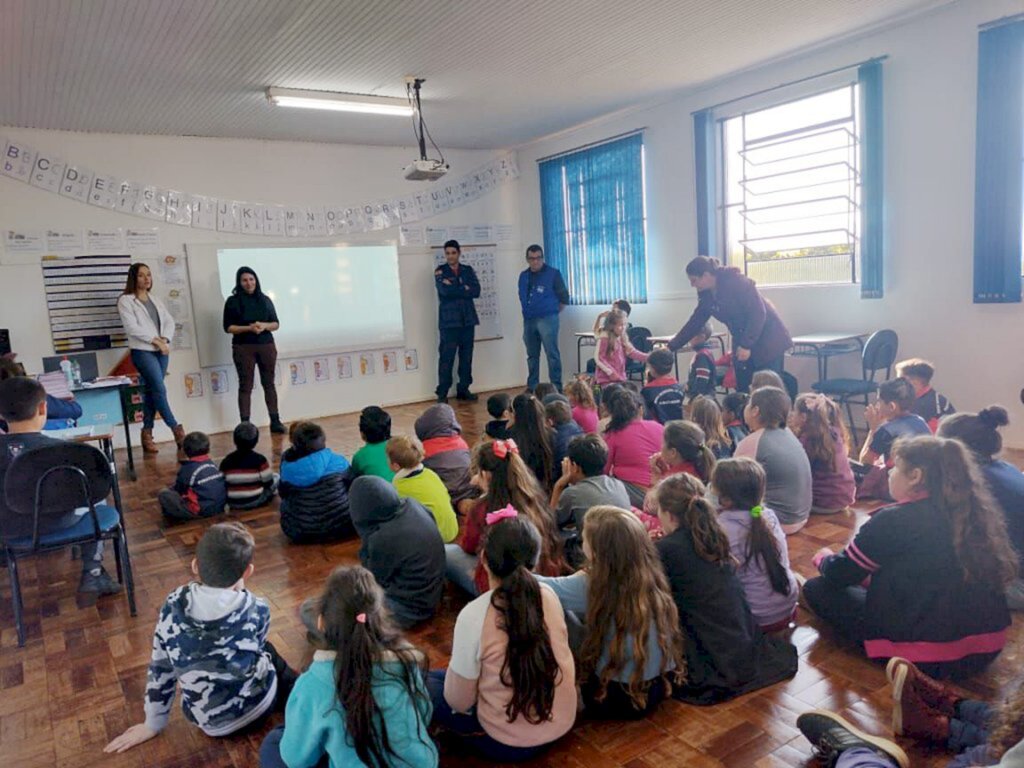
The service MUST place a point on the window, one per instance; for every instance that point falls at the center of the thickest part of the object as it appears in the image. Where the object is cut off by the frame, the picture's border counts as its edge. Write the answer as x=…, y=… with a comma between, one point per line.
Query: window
x=791, y=190
x=592, y=204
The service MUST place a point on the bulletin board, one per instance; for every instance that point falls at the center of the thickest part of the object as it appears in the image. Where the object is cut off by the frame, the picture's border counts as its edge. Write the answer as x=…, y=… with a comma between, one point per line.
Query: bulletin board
x=81, y=299
x=482, y=258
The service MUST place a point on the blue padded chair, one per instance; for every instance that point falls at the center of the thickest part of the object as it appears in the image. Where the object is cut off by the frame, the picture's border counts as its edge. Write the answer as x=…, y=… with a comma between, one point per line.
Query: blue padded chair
x=879, y=355
x=42, y=485
x=640, y=338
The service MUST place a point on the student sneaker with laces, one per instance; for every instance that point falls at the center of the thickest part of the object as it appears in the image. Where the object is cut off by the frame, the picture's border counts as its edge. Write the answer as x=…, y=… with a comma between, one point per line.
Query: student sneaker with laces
x=831, y=736
x=98, y=582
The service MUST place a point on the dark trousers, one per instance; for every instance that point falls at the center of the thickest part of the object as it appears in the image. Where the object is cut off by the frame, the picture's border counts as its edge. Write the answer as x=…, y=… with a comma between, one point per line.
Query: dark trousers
x=469, y=728
x=745, y=371
x=455, y=340
x=247, y=358
x=175, y=507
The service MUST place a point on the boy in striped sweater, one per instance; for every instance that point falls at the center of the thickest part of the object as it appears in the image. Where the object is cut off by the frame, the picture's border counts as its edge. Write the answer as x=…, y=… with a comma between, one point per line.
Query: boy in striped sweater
x=250, y=483
x=199, y=489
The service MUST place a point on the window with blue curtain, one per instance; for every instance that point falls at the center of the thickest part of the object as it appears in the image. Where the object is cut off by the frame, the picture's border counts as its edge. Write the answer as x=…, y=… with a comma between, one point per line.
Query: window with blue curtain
x=999, y=164
x=592, y=207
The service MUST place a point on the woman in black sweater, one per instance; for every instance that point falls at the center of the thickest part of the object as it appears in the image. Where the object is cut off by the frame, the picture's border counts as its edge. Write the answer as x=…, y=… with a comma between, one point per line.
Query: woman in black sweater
x=250, y=318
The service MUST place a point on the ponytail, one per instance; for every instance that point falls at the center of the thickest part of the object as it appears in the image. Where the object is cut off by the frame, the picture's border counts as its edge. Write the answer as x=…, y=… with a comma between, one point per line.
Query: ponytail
x=687, y=439
x=762, y=545
x=682, y=498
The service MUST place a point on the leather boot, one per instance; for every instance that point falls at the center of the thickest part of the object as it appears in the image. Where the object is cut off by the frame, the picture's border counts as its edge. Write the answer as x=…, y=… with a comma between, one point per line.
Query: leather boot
x=912, y=716
x=148, y=444
x=179, y=438
x=903, y=674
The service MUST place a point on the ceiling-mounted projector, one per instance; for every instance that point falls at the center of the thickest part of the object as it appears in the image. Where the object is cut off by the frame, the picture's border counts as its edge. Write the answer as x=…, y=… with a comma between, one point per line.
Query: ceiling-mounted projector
x=423, y=169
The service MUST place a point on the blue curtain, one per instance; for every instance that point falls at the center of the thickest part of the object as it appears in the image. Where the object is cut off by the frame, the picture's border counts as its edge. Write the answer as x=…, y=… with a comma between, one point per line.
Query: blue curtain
x=592, y=207
x=999, y=151
x=872, y=182
x=705, y=145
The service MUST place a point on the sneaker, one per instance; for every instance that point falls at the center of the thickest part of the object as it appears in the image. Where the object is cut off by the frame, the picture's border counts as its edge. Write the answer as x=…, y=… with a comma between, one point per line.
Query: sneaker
x=911, y=714
x=100, y=583
x=901, y=673
x=831, y=735
x=467, y=396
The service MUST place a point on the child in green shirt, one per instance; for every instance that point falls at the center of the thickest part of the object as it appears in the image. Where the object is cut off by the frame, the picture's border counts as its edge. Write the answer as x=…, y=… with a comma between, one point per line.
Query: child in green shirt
x=413, y=480
x=375, y=429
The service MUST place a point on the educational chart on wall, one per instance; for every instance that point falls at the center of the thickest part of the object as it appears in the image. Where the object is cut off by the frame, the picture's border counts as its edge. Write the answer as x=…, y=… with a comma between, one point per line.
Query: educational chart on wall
x=482, y=259
x=81, y=299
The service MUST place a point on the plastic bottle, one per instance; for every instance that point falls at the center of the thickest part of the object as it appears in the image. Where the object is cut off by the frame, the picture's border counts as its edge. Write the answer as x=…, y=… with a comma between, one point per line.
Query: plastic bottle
x=66, y=367
x=76, y=373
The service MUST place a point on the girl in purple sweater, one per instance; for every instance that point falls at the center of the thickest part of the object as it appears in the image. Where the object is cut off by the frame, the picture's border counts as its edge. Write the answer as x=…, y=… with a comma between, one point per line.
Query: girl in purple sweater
x=757, y=542
x=818, y=424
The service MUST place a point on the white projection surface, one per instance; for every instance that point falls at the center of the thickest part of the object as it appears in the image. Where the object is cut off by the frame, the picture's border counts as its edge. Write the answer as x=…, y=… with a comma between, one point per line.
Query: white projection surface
x=328, y=299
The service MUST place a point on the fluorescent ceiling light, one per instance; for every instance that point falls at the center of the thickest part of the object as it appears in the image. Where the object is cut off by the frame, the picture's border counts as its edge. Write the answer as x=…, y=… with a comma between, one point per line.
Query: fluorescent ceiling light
x=339, y=102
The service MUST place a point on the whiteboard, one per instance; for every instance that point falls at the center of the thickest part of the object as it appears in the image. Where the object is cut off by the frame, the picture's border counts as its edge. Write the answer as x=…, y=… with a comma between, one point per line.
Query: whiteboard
x=329, y=298
x=482, y=259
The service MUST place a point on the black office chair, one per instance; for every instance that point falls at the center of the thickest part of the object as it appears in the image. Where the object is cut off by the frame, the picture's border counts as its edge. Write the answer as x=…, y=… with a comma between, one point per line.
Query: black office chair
x=879, y=354
x=46, y=483
x=640, y=338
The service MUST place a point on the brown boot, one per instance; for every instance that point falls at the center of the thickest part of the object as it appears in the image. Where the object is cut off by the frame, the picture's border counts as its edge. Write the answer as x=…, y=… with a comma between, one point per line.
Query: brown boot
x=148, y=444
x=903, y=674
x=911, y=716
x=179, y=438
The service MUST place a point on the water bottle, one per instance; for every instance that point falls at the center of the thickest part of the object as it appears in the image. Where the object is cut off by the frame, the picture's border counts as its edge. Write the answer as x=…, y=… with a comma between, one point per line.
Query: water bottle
x=66, y=368
x=76, y=373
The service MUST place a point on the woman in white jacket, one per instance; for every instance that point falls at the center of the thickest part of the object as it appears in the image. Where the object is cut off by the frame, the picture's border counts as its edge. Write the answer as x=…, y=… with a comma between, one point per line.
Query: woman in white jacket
x=150, y=328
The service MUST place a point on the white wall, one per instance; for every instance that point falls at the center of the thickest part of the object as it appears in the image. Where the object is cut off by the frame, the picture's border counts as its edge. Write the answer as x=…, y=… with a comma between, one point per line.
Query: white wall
x=930, y=93
x=280, y=172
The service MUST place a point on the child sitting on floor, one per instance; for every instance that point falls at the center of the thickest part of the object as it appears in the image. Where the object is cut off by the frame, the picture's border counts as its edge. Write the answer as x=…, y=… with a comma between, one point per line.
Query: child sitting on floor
x=444, y=450
x=682, y=450
x=413, y=480
x=663, y=397
x=199, y=489
x=543, y=390
x=564, y=429
x=535, y=439
x=786, y=467
x=375, y=429
x=705, y=413
x=584, y=407
x=757, y=542
x=818, y=424
x=314, y=487
x=211, y=640
x=613, y=347
x=363, y=700
x=929, y=404
x=631, y=442
x=402, y=548
x=499, y=407
x=250, y=483
x=23, y=406
x=702, y=377
x=733, y=406
x=889, y=417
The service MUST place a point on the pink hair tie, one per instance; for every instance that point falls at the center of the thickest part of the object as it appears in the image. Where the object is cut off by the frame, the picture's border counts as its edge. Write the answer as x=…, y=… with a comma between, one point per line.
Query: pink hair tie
x=502, y=448
x=502, y=514
x=361, y=618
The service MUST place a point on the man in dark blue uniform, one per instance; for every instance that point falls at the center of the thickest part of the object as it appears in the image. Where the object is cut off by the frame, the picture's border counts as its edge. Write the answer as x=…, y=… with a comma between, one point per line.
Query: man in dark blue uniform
x=457, y=286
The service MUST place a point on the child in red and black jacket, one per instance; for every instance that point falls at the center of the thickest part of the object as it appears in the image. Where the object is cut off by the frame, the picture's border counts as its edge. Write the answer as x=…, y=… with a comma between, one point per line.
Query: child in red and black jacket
x=929, y=405
x=939, y=561
x=703, y=375
x=663, y=397
x=199, y=490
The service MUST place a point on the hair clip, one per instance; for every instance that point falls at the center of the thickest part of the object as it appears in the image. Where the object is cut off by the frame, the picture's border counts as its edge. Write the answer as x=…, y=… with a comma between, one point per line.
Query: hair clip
x=361, y=618
x=502, y=448
x=756, y=511
x=502, y=514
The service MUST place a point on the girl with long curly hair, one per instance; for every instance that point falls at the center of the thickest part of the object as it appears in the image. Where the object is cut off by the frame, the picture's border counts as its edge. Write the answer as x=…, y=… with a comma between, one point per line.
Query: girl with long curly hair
x=362, y=700
x=504, y=479
x=510, y=665
x=818, y=424
x=726, y=653
x=630, y=647
x=939, y=562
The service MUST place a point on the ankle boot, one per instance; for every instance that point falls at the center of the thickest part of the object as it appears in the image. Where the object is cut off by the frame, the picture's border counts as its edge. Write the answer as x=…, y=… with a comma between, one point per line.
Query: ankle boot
x=276, y=427
x=904, y=674
x=911, y=716
x=148, y=444
x=179, y=438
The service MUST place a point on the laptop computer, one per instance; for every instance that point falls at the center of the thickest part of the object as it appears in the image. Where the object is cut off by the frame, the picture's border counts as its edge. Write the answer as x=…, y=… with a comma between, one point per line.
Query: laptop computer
x=86, y=361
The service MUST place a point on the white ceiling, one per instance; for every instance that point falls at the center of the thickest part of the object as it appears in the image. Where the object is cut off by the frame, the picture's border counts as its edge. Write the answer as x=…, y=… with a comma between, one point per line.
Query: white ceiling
x=499, y=72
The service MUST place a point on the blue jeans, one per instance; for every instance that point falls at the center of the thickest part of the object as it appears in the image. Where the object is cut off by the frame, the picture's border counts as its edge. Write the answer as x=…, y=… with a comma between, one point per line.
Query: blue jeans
x=469, y=728
x=539, y=331
x=152, y=366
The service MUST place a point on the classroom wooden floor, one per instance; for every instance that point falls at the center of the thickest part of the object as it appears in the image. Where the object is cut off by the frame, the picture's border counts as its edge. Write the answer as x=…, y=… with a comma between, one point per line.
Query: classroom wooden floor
x=79, y=680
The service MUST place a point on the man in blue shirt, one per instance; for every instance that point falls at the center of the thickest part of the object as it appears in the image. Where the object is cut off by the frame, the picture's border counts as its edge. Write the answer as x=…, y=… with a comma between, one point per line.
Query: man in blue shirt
x=457, y=286
x=542, y=294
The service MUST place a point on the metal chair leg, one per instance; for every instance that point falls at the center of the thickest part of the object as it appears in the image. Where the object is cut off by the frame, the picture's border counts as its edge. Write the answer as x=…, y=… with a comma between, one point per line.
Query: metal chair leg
x=117, y=560
x=129, y=578
x=12, y=569
x=853, y=426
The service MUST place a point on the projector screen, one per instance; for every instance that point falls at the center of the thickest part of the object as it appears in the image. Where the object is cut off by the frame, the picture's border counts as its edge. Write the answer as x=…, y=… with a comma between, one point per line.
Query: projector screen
x=328, y=298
